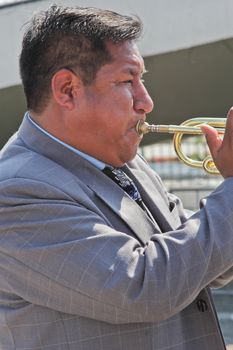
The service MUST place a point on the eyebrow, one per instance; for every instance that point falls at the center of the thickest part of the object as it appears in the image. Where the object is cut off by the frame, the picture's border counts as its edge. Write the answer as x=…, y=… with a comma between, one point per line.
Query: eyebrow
x=134, y=71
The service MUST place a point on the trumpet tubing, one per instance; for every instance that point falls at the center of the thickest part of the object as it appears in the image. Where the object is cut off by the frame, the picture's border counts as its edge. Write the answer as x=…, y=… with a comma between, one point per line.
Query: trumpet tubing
x=189, y=127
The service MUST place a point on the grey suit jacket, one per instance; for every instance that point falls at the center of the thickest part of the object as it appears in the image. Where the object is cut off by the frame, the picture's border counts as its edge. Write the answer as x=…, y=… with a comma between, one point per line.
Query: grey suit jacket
x=82, y=267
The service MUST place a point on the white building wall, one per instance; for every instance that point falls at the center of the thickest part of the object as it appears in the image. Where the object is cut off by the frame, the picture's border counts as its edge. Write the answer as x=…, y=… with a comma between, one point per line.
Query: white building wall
x=169, y=25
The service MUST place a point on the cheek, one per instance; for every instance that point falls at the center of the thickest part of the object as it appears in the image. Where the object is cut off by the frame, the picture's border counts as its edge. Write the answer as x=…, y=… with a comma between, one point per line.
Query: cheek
x=119, y=98
x=111, y=115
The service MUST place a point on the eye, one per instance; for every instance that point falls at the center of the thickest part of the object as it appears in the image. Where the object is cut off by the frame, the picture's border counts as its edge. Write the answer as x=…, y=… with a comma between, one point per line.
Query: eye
x=129, y=81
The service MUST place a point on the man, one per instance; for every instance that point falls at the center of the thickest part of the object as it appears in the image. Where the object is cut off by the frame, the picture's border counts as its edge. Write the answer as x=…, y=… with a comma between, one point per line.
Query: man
x=82, y=264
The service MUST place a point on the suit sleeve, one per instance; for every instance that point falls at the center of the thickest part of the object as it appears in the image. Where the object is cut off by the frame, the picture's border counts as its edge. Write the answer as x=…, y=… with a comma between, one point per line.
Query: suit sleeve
x=63, y=255
x=184, y=214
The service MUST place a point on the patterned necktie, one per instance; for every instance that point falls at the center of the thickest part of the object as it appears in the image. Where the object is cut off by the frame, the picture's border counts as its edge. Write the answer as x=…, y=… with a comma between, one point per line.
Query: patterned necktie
x=127, y=184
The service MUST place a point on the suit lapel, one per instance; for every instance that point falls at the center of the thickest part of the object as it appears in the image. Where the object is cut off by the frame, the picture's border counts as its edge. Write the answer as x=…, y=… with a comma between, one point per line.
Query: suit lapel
x=122, y=205
x=153, y=199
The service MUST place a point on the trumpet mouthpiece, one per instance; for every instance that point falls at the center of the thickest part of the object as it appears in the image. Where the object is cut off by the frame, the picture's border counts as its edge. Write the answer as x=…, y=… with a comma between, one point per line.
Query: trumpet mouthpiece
x=142, y=127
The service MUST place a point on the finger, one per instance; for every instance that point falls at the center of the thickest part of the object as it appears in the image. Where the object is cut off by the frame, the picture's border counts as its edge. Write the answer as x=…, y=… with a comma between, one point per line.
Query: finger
x=212, y=138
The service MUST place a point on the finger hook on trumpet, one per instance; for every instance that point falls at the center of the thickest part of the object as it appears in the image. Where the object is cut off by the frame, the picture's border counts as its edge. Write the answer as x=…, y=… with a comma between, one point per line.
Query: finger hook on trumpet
x=189, y=127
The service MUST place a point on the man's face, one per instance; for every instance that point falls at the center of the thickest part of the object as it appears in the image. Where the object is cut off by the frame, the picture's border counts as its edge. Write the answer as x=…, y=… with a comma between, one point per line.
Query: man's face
x=112, y=105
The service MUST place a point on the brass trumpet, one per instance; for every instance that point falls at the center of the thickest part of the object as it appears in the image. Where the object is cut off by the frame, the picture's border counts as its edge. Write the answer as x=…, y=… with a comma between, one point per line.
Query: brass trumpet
x=188, y=127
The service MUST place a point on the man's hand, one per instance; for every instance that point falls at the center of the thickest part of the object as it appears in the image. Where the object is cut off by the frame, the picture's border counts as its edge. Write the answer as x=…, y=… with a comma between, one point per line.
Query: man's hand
x=221, y=150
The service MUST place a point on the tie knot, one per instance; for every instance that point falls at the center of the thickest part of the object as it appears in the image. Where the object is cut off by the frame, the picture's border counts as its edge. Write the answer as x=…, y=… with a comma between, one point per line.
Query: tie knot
x=117, y=175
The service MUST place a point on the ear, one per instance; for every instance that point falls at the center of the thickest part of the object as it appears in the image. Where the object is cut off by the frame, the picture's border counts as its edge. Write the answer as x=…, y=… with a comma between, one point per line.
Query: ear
x=65, y=85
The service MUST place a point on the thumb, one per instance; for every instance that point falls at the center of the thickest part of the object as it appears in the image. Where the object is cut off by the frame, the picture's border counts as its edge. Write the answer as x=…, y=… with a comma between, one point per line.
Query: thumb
x=229, y=128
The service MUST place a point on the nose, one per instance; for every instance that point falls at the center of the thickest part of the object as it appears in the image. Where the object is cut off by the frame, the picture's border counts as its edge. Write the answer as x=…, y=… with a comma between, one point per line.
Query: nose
x=143, y=103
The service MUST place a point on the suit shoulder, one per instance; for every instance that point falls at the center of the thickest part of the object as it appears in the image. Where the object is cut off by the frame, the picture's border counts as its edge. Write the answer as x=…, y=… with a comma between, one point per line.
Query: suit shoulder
x=18, y=163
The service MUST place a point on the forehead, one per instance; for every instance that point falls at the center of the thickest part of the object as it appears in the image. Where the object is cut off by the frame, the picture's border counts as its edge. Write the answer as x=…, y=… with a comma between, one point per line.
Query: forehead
x=126, y=57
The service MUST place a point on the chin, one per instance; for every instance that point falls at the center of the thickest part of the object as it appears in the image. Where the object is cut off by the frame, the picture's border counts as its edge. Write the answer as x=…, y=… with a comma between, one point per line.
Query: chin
x=129, y=156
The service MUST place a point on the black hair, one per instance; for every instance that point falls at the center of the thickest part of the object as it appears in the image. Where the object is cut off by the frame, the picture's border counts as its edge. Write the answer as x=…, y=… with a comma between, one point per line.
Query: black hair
x=64, y=37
